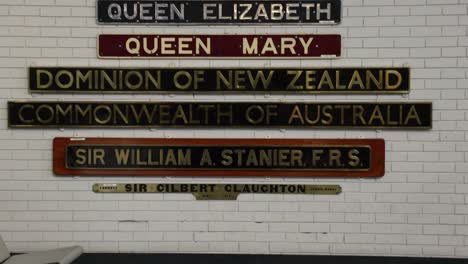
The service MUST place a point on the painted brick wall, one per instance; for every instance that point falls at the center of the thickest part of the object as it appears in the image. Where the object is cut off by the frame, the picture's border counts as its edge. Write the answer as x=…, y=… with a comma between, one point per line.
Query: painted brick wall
x=420, y=207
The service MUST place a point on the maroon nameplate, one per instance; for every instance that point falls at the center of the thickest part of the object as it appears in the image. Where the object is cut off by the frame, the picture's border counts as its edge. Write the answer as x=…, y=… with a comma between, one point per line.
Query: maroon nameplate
x=219, y=157
x=219, y=46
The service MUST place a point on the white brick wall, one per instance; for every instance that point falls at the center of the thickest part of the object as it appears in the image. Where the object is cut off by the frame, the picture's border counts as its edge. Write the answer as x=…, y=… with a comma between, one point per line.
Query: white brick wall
x=419, y=208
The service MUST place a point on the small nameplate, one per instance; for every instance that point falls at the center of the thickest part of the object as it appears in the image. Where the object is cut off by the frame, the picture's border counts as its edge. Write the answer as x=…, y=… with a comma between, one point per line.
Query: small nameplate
x=163, y=12
x=216, y=191
x=391, y=115
x=218, y=157
x=219, y=46
x=352, y=80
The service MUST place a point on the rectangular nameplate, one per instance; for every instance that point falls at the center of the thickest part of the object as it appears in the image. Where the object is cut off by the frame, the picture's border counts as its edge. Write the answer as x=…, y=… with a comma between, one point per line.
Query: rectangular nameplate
x=345, y=80
x=206, y=191
x=219, y=46
x=219, y=12
x=389, y=115
x=219, y=157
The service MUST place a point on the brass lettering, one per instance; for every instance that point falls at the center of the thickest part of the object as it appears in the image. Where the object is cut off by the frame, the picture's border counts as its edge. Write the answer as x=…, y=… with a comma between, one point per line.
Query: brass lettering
x=376, y=115
x=370, y=77
x=84, y=78
x=67, y=114
x=296, y=114
x=222, y=80
x=393, y=86
x=326, y=81
x=20, y=114
x=354, y=159
x=292, y=85
x=128, y=78
x=413, y=114
x=154, y=80
x=100, y=118
x=316, y=156
x=105, y=78
x=81, y=155
x=227, y=158
x=206, y=158
x=358, y=111
x=58, y=79
x=356, y=80
x=334, y=158
x=43, y=119
x=39, y=74
x=122, y=155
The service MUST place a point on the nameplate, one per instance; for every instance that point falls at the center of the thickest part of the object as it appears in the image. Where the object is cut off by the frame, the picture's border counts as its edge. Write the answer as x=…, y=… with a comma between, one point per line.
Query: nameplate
x=219, y=157
x=206, y=191
x=336, y=115
x=219, y=12
x=219, y=46
x=352, y=80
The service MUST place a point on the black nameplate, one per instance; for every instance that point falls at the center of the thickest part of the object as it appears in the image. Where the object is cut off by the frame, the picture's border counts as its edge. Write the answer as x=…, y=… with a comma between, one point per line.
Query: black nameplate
x=310, y=158
x=225, y=80
x=219, y=12
x=207, y=114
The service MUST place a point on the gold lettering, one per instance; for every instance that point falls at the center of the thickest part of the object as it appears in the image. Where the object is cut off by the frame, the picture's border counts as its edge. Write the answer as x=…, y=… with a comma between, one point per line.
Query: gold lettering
x=143, y=112
x=86, y=78
x=310, y=80
x=98, y=155
x=283, y=157
x=358, y=111
x=221, y=79
x=413, y=114
x=67, y=113
x=81, y=155
x=105, y=78
x=80, y=114
x=118, y=113
x=179, y=114
x=335, y=156
x=206, y=158
x=251, y=159
x=102, y=119
x=39, y=74
x=296, y=157
x=356, y=80
x=184, y=158
x=170, y=159
x=316, y=156
x=371, y=77
x=353, y=155
x=394, y=86
x=20, y=113
x=58, y=79
x=155, y=80
x=377, y=114
x=326, y=111
x=296, y=114
x=326, y=80
x=338, y=84
x=121, y=155
x=41, y=118
x=292, y=85
x=239, y=79
x=128, y=79
x=227, y=158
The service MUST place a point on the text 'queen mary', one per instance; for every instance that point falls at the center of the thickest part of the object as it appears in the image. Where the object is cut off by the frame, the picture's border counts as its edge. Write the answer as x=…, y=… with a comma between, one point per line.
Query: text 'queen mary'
x=224, y=46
